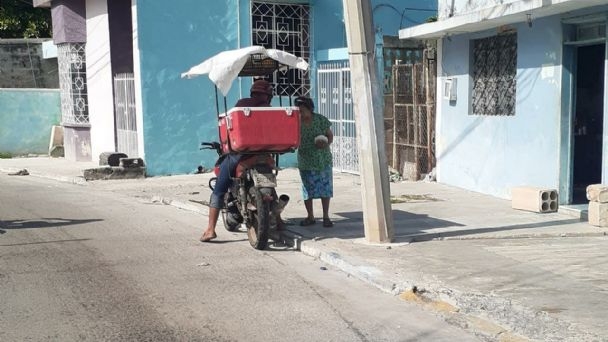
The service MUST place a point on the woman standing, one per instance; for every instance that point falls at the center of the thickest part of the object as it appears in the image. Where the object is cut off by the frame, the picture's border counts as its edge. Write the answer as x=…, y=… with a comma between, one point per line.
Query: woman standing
x=314, y=160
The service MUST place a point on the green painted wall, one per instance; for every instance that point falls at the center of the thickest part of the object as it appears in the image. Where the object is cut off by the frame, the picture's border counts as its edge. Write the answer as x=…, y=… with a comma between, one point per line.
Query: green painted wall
x=26, y=117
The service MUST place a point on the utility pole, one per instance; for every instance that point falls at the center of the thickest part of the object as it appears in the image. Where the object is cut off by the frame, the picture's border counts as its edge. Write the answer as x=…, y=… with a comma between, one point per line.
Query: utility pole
x=373, y=165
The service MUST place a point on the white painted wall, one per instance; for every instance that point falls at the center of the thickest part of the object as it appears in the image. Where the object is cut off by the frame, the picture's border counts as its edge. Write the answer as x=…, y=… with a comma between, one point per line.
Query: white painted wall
x=138, y=90
x=99, y=78
x=492, y=154
x=461, y=7
x=485, y=9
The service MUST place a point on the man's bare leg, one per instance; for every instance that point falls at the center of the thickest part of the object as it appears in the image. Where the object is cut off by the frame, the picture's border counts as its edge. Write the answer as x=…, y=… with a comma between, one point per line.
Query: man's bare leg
x=209, y=233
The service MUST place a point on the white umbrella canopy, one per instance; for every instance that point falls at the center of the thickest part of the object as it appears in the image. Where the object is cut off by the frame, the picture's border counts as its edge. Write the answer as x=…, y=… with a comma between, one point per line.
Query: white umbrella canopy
x=224, y=67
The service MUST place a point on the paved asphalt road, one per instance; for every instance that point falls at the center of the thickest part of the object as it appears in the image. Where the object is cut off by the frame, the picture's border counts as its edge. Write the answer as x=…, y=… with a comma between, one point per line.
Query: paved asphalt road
x=77, y=265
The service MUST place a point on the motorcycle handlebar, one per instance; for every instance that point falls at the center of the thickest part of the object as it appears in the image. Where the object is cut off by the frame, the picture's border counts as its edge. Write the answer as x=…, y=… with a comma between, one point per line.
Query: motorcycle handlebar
x=214, y=145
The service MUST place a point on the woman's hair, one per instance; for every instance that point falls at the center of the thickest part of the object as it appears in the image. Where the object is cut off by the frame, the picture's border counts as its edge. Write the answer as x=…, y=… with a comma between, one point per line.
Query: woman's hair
x=306, y=102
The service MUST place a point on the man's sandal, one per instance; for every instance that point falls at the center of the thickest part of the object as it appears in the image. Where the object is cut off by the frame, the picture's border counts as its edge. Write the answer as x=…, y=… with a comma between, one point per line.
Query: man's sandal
x=207, y=238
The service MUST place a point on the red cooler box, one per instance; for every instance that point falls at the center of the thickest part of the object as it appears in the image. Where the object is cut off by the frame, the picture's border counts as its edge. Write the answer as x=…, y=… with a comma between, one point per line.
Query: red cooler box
x=253, y=129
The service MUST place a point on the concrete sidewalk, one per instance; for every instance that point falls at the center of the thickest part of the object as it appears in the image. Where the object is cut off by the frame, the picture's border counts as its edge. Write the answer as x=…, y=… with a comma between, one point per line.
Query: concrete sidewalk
x=507, y=275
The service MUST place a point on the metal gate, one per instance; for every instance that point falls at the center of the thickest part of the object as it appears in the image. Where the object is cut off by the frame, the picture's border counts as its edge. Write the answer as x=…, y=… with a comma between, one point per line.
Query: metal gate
x=413, y=152
x=124, y=108
x=335, y=102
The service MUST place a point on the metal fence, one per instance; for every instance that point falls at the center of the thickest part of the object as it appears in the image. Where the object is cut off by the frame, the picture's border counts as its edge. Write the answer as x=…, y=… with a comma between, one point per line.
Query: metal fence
x=413, y=153
x=124, y=107
x=334, y=100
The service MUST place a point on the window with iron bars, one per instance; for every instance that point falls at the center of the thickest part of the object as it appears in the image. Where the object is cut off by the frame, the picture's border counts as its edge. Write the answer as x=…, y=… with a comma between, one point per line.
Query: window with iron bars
x=284, y=27
x=71, y=58
x=494, y=75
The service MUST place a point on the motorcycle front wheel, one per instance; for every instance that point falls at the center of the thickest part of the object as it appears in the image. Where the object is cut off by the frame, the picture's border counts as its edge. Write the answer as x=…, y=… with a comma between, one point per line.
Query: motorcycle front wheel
x=258, y=231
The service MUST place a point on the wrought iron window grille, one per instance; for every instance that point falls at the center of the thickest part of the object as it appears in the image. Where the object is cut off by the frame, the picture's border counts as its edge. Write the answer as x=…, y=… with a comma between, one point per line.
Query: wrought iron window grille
x=73, y=83
x=494, y=75
x=284, y=27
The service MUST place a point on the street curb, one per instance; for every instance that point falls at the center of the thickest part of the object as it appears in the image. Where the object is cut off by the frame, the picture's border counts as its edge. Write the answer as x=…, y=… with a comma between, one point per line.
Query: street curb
x=352, y=266
x=470, y=306
x=63, y=179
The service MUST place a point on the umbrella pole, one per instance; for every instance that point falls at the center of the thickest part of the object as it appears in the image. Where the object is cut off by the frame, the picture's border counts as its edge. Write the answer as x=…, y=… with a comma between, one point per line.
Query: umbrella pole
x=217, y=104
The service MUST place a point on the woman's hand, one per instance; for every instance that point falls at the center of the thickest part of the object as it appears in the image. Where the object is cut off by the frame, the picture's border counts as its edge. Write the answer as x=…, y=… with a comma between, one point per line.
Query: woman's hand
x=321, y=142
x=321, y=145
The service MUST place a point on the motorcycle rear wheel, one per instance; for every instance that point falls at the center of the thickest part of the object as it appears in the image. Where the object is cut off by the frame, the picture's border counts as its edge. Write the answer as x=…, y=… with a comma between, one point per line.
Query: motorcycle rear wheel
x=231, y=225
x=258, y=231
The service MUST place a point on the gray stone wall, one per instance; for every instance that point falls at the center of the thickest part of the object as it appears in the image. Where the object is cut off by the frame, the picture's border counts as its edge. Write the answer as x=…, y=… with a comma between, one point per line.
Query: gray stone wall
x=22, y=65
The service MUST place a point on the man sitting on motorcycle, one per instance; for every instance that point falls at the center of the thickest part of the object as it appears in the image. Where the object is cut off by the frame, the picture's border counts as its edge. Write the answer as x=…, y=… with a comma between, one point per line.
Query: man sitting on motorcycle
x=260, y=96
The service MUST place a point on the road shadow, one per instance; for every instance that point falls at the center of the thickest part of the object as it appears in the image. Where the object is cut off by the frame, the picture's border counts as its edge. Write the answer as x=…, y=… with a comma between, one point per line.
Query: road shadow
x=44, y=242
x=412, y=227
x=219, y=241
x=351, y=225
x=480, y=230
x=42, y=223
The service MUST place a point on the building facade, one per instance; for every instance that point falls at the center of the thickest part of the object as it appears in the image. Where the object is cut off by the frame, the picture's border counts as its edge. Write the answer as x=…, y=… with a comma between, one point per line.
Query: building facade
x=521, y=94
x=134, y=55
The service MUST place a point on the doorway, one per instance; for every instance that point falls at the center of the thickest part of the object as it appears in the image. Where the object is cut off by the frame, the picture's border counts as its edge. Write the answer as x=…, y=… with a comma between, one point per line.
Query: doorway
x=588, y=121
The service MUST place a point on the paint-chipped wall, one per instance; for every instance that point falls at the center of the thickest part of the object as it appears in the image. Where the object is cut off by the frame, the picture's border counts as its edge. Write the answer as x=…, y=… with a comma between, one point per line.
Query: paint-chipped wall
x=26, y=118
x=22, y=65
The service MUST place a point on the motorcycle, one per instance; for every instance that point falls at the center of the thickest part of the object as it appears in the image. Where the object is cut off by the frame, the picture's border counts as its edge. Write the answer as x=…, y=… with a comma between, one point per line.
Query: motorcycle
x=252, y=198
x=259, y=135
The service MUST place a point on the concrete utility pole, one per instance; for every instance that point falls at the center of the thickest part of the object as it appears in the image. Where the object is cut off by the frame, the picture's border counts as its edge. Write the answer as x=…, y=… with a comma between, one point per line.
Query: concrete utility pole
x=375, y=188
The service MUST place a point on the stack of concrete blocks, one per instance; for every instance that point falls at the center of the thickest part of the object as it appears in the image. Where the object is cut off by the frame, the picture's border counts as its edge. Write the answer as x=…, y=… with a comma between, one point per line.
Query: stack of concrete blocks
x=534, y=199
x=597, y=194
x=115, y=165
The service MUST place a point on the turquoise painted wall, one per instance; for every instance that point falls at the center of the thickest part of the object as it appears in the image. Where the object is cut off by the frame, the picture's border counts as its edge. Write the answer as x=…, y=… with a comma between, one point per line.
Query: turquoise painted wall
x=26, y=117
x=179, y=113
x=491, y=154
x=389, y=17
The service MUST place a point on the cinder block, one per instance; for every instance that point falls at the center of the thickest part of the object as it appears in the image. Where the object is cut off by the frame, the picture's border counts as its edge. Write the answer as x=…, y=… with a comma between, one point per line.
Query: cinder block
x=534, y=199
x=598, y=214
x=597, y=193
x=114, y=172
x=131, y=162
x=111, y=158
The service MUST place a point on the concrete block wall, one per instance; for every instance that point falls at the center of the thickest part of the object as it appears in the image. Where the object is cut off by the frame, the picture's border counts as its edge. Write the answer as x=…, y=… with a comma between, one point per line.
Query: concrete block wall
x=22, y=65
